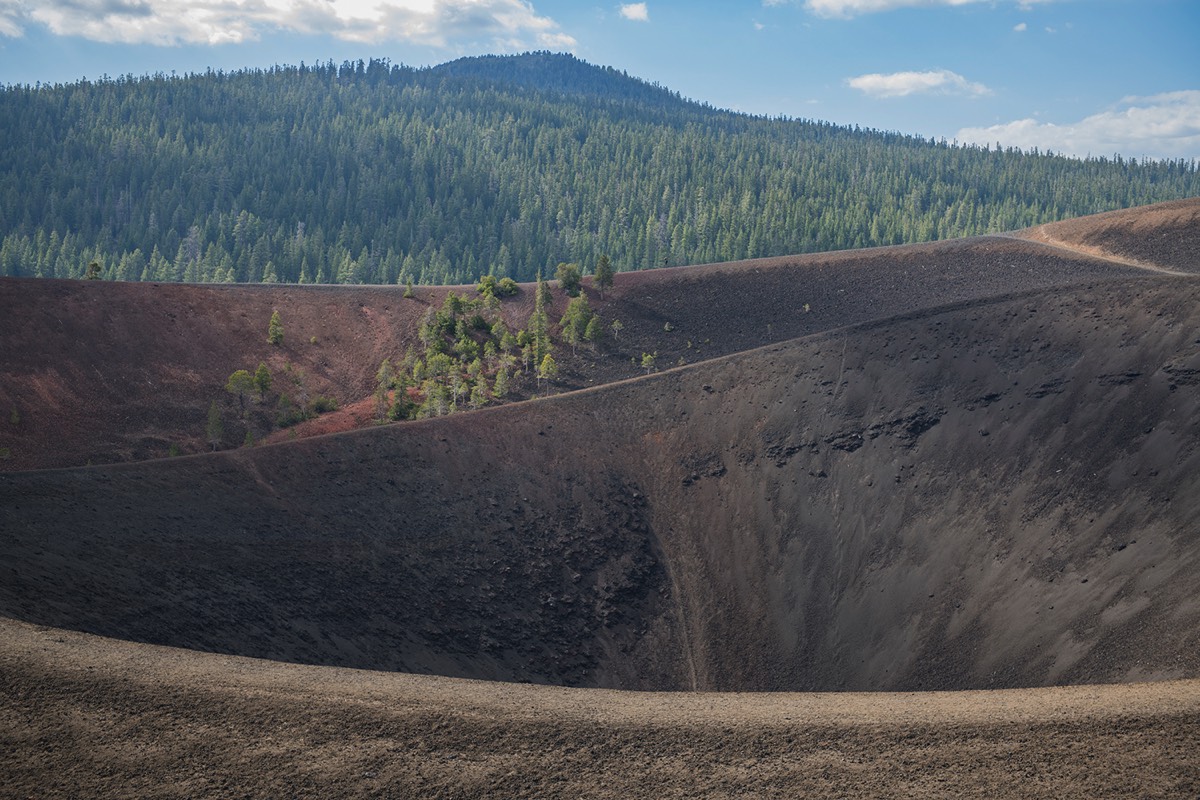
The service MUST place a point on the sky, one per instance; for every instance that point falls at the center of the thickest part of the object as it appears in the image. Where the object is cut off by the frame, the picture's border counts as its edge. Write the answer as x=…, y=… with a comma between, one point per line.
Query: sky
x=1081, y=77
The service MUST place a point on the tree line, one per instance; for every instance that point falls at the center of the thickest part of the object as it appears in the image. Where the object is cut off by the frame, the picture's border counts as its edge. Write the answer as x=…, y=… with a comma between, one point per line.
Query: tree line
x=503, y=166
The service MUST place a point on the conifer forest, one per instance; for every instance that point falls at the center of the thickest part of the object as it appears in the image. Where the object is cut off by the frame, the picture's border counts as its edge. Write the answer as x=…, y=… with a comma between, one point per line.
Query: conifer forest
x=370, y=172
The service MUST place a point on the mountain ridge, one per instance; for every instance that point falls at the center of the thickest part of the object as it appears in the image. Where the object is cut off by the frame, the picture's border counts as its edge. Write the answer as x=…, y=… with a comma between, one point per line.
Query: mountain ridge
x=374, y=173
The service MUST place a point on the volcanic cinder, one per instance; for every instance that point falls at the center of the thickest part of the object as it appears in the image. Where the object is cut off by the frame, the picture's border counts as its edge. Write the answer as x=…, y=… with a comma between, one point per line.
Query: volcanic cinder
x=959, y=466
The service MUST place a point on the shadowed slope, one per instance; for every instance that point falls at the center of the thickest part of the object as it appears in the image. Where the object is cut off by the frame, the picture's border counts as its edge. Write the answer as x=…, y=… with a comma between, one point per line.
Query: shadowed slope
x=1002, y=493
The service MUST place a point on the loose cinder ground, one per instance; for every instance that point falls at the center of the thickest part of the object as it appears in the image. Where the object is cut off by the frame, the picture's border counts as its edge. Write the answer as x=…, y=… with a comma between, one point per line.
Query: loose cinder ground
x=978, y=472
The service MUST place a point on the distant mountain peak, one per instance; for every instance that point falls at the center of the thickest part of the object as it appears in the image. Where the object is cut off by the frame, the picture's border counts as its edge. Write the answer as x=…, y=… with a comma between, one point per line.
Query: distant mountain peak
x=562, y=73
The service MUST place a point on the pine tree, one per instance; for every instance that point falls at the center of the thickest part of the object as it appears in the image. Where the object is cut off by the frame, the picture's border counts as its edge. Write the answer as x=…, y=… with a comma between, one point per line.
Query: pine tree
x=575, y=322
x=262, y=381
x=479, y=395
x=548, y=370
x=593, y=331
x=275, y=330
x=500, y=387
x=240, y=384
x=603, y=276
x=648, y=360
x=539, y=336
x=382, y=403
x=385, y=376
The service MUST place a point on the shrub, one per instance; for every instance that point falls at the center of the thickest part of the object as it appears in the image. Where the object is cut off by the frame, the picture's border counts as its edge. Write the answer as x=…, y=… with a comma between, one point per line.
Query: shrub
x=290, y=416
x=323, y=405
x=569, y=278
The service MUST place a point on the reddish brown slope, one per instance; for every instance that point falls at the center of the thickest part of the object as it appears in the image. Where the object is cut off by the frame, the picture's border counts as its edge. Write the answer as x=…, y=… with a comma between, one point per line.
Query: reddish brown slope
x=102, y=372
x=106, y=372
x=1164, y=235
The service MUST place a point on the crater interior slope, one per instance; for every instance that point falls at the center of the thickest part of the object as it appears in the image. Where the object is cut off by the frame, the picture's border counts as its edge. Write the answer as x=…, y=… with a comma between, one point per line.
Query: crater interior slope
x=975, y=482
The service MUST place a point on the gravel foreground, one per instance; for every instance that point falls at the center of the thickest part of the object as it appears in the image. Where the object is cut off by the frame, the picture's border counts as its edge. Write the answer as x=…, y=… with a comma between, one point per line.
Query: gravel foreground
x=93, y=717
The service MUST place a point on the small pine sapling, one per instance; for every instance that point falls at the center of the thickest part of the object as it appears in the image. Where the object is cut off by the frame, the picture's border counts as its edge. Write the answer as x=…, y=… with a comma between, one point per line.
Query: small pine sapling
x=275, y=330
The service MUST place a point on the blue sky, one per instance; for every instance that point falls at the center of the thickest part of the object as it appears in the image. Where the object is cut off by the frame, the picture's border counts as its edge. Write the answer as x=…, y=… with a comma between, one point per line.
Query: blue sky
x=1084, y=77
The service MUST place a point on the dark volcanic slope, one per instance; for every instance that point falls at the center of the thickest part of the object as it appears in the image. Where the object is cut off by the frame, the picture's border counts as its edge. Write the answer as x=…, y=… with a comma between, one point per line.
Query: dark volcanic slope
x=1164, y=234
x=101, y=372
x=1002, y=493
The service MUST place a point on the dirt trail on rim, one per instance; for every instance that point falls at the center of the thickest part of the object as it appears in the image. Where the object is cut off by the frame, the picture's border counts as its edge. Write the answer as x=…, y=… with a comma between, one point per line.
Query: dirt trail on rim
x=1044, y=237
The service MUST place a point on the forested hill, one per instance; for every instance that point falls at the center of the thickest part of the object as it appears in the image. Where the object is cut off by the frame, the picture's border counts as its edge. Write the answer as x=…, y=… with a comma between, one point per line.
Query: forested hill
x=375, y=173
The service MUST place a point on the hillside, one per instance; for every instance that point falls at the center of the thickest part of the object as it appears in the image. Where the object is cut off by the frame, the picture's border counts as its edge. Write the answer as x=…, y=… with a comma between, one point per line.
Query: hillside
x=102, y=371
x=999, y=494
x=840, y=463
x=377, y=173
x=969, y=465
x=99, y=372
x=100, y=718
x=1164, y=236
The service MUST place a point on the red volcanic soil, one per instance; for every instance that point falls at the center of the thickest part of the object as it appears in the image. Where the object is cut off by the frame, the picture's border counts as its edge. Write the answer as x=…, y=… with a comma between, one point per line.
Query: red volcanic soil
x=971, y=465
x=101, y=372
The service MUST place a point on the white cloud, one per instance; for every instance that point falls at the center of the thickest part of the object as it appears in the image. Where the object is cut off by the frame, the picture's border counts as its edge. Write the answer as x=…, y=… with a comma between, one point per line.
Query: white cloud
x=10, y=18
x=1020, y=27
x=902, y=84
x=636, y=12
x=498, y=24
x=852, y=8
x=1160, y=126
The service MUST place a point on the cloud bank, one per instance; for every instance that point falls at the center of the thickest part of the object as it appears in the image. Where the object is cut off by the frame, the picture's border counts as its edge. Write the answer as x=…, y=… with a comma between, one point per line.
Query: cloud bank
x=636, y=12
x=902, y=84
x=1159, y=126
x=844, y=9
x=499, y=24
